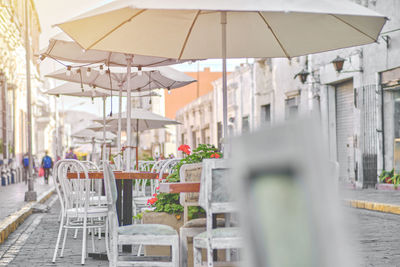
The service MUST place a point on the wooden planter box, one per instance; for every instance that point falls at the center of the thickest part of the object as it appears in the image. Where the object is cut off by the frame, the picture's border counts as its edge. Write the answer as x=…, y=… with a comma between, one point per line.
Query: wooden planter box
x=160, y=218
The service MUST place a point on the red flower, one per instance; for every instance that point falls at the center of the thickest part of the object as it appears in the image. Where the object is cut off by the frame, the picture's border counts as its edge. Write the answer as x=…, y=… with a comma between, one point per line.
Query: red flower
x=387, y=180
x=155, y=194
x=185, y=149
x=151, y=201
x=157, y=188
x=215, y=155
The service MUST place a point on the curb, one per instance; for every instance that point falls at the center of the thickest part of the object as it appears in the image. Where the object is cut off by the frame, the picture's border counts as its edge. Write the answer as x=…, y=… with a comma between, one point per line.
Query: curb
x=381, y=207
x=11, y=223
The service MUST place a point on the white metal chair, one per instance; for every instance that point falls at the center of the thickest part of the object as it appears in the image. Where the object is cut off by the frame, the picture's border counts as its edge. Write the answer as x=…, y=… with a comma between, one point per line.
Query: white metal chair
x=192, y=227
x=77, y=213
x=136, y=234
x=215, y=198
x=139, y=201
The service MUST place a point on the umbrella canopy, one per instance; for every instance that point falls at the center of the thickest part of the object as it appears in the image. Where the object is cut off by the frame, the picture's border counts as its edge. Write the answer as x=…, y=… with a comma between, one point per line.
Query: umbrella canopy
x=191, y=29
x=142, y=120
x=197, y=29
x=61, y=47
x=151, y=78
x=97, y=126
x=89, y=134
x=74, y=89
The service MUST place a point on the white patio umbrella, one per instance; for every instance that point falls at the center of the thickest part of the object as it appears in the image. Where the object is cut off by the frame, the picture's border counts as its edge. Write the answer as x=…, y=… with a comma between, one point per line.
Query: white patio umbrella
x=151, y=78
x=63, y=48
x=225, y=28
x=76, y=90
x=88, y=134
x=141, y=120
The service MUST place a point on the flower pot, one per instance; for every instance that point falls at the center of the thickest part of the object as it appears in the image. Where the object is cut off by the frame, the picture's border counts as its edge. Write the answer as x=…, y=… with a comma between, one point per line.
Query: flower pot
x=161, y=218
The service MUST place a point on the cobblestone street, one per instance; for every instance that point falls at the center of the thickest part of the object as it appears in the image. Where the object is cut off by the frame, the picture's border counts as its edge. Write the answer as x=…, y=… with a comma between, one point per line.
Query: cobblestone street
x=32, y=244
x=377, y=239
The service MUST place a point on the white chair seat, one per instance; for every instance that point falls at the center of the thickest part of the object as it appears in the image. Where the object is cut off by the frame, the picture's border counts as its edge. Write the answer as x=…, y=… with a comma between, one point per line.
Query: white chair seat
x=202, y=222
x=94, y=200
x=220, y=234
x=91, y=212
x=146, y=229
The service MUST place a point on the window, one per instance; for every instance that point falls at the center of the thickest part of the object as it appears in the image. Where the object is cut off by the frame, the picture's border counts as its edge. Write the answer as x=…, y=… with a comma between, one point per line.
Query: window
x=219, y=133
x=266, y=114
x=194, y=145
x=291, y=108
x=245, y=124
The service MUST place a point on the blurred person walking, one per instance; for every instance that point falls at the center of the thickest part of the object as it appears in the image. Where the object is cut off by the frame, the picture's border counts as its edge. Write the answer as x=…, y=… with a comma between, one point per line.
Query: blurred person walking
x=71, y=154
x=47, y=165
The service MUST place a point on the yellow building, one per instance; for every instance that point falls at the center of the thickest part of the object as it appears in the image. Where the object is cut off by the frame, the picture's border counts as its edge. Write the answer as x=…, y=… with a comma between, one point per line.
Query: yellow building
x=13, y=118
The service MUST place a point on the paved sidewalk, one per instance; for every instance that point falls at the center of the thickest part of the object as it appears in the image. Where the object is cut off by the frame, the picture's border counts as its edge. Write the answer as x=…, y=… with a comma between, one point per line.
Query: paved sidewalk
x=12, y=196
x=372, y=195
x=372, y=199
x=32, y=244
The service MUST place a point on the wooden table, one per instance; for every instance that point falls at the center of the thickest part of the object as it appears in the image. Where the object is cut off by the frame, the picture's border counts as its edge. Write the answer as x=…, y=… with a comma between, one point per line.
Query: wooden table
x=193, y=187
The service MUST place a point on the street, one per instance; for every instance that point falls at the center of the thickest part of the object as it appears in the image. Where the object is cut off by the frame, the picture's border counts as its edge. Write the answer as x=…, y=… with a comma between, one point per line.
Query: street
x=376, y=239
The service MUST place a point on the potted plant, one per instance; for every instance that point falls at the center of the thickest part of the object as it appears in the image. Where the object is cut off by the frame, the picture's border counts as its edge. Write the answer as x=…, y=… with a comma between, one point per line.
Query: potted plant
x=166, y=207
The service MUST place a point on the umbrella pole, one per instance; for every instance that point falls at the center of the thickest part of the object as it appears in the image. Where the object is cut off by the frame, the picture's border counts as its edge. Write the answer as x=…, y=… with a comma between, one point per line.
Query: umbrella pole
x=128, y=113
x=104, y=129
x=224, y=81
x=137, y=144
x=119, y=123
x=93, y=150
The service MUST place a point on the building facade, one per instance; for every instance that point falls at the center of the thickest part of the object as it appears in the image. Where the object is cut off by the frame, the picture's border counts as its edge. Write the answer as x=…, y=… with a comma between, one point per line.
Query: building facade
x=359, y=107
x=14, y=137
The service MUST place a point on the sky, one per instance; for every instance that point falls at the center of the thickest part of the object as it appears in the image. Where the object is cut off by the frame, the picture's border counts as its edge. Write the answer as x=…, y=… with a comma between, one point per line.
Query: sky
x=52, y=12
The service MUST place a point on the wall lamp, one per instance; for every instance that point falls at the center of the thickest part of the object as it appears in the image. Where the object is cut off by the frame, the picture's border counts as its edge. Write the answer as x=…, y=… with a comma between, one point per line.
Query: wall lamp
x=303, y=74
x=338, y=63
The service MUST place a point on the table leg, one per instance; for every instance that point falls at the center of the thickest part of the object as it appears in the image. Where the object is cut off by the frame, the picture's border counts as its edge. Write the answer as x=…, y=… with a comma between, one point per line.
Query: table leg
x=127, y=209
x=119, y=201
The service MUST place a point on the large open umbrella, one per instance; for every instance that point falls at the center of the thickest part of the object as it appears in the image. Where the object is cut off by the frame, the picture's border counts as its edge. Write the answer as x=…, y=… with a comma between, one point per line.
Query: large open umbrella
x=141, y=120
x=62, y=48
x=74, y=89
x=225, y=28
x=151, y=78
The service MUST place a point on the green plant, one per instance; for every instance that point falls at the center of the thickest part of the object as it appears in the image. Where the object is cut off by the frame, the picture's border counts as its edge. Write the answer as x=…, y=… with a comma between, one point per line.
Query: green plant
x=386, y=176
x=203, y=151
x=169, y=203
x=195, y=212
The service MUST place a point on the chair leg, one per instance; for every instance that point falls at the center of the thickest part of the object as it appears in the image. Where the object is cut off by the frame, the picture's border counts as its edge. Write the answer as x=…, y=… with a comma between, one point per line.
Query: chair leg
x=175, y=252
x=84, y=241
x=196, y=256
x=99, y=229
x=76, y=233
x=139, y=250
x=58, y=239
x=63, y=245
x=210, y=256
x=93, y=247
x=106, y=239
x=183, y=249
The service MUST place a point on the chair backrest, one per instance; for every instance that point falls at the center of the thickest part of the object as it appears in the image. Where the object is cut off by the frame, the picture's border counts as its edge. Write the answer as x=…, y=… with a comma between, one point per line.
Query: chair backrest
x=111, y=193
x=189, y=173
x=76, y=192
x=215, y=187
x=166, y=167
